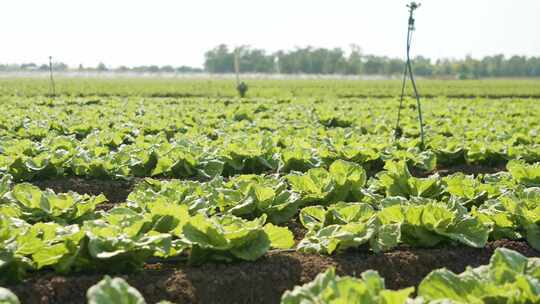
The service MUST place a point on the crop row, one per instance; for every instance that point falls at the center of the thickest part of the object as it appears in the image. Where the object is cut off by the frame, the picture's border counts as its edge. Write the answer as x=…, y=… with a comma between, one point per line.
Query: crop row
x=509, y=278
x=212, y=87
x=239, y=219
x=201, y=139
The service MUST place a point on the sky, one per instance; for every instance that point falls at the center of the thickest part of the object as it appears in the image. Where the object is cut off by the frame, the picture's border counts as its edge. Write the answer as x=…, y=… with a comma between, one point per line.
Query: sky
x=167, y=32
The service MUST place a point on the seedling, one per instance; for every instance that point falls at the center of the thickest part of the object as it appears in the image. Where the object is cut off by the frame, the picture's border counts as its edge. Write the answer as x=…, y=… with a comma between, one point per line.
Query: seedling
x=398, y=132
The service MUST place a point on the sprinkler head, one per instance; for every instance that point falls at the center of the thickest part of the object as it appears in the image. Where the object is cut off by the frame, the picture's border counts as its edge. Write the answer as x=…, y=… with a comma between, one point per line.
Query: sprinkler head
x=413, y=5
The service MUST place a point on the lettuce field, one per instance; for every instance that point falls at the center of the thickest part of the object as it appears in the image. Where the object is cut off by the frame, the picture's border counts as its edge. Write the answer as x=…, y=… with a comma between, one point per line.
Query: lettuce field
x=176, y=190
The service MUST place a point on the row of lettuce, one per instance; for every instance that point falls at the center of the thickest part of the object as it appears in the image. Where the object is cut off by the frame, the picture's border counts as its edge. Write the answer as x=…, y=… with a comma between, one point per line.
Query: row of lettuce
x=509, y=278
x=192, y=138
x=156, y=156
x=239, y=218
x=210, y=87
x=107, y=291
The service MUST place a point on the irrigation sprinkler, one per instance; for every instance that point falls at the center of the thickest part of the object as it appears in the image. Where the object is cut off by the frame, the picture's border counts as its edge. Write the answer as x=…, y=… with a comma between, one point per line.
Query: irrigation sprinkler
x=52, y=87
x=241, y=86
x=398, y=132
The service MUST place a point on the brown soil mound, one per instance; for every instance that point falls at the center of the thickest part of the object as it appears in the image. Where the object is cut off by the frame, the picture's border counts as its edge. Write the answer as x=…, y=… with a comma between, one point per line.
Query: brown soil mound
x=116, y=191
x=265, y=280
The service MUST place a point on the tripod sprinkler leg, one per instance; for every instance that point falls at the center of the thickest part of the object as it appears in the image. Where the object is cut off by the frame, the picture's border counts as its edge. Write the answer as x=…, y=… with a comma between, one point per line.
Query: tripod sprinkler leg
x=418, y=105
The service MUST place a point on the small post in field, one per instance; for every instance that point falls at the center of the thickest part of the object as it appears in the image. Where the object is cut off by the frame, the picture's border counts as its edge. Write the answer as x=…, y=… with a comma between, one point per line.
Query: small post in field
x=52, y=86
x=241, y=87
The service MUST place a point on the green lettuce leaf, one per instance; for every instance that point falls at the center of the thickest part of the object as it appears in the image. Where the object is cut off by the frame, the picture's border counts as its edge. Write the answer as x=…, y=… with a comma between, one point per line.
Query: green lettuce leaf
x=528, y=175
x=329, y=288
x=113, y=291
x=7, y=297
x=509, y=278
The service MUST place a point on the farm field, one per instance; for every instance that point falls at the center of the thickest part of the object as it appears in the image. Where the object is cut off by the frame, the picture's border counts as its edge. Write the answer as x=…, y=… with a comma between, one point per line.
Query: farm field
x=193, y=195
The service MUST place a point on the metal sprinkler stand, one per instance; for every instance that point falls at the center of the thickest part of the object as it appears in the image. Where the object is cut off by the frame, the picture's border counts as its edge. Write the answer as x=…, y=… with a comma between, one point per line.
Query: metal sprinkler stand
x=52, y=86
x=398, y=132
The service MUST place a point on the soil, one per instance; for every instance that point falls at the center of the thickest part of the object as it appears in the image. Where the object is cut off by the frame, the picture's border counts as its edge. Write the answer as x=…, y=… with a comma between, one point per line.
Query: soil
x=465, y=169
x=116, y=191
x=265, y=280
x=297, y=229
x=472, y=169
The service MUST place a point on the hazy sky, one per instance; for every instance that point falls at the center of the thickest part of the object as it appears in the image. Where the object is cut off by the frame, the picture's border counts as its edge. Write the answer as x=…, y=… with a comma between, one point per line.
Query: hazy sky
x=134, y=32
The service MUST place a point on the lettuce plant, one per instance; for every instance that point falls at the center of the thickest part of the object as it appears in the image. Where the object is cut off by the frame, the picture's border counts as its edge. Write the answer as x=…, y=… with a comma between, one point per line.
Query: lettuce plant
x=343, y=181
x=396, y=180
x=33, y=205
x=327, y=287
x=343, y=226
x=527, y=175
x=509, y=278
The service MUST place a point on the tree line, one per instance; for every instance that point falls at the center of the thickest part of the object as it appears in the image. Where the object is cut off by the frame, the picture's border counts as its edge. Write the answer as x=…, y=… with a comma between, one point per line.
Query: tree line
x=310, y=60
x=324, y=61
